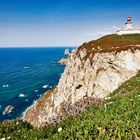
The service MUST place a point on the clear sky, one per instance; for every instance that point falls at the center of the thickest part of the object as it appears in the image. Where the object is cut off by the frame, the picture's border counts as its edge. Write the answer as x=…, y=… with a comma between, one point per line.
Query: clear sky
x=31, y=23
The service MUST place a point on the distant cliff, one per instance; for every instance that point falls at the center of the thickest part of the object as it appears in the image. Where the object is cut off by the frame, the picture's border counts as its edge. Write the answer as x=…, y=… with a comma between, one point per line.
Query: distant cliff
x=95, y=70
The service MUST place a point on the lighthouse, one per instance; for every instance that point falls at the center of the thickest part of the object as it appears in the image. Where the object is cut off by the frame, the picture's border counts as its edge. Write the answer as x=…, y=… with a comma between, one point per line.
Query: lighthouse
x=128, y=28
x=128, y=23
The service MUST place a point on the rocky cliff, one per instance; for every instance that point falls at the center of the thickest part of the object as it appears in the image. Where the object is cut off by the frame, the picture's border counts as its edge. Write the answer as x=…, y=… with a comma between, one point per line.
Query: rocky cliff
x=94, y=71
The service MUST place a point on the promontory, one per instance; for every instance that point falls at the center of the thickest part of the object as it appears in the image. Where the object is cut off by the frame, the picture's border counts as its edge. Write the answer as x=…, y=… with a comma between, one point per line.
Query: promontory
x=92, y=73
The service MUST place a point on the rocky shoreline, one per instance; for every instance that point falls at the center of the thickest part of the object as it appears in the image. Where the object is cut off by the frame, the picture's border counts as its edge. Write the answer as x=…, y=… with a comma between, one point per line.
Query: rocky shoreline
x=63, y=61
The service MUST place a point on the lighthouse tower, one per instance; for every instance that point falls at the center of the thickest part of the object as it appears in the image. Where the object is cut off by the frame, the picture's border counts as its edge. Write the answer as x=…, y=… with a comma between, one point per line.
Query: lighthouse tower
x=128, y=28
x=128, y=23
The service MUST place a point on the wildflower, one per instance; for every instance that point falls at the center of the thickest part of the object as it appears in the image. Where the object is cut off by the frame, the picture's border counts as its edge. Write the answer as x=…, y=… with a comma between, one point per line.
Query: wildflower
x=107, y=98
x=107, y=105
x=59, y=129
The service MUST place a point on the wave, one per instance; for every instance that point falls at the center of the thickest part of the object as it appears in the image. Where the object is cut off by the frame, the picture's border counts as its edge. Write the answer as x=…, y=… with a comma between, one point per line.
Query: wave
x=26, y=67
x=45, y=86
x=21, y=95
x=36, y=90
x=5, y=86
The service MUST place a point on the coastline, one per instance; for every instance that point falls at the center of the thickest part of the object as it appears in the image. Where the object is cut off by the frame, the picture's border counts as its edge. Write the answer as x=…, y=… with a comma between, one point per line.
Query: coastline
x=24, y=112
x=35, y=102
x=23, y=81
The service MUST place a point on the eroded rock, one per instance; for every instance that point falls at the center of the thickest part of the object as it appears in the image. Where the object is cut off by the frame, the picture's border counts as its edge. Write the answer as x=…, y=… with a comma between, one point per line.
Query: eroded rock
x=94, y=78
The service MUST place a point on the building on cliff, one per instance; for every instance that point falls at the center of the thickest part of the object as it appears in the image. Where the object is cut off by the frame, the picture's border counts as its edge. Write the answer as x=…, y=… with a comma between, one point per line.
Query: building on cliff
x=128, y=28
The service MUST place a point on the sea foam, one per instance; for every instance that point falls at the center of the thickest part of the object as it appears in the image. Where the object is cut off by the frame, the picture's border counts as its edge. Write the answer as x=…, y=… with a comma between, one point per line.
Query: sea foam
x=45, y=86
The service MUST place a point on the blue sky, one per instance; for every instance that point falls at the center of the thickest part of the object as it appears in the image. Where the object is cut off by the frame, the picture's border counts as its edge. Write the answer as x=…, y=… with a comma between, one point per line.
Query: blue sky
x=42, y=23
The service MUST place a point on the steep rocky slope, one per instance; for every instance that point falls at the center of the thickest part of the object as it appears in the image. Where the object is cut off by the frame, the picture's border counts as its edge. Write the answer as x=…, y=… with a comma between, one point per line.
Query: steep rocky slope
x=93, y=71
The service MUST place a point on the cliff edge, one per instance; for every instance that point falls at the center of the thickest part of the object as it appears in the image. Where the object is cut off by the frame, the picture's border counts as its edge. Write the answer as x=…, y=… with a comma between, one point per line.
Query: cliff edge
x=94, y=71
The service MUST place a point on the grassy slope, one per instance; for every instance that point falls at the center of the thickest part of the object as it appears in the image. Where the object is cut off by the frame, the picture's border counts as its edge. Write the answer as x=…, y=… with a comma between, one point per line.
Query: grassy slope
x=116, y=118
x=112, y=43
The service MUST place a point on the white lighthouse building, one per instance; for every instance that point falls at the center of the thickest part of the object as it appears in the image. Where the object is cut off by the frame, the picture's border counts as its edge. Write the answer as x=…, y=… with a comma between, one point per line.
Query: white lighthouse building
x=128, y=28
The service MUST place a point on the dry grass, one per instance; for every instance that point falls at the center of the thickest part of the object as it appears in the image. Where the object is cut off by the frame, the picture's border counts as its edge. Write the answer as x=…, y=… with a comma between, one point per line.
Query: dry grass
x=112, y=43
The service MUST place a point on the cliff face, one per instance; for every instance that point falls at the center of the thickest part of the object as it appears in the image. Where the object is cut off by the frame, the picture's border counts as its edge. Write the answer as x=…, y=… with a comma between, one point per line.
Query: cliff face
x=89, y=75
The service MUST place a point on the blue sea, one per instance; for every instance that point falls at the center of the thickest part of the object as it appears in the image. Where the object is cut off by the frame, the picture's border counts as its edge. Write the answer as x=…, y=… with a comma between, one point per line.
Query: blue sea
x=25, y=74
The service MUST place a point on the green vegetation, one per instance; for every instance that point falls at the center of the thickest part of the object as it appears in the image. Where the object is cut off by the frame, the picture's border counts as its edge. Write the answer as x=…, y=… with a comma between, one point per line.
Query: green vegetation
x=117, y=118
x=112, y=43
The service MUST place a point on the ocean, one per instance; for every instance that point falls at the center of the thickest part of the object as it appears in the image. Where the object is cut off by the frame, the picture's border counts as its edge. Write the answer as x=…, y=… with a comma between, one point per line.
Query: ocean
x=25, y=74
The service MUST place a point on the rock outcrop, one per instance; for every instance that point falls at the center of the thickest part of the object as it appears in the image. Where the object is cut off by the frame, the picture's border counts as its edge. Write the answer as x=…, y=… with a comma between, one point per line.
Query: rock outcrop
x=91, y=75
x=63, y=61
